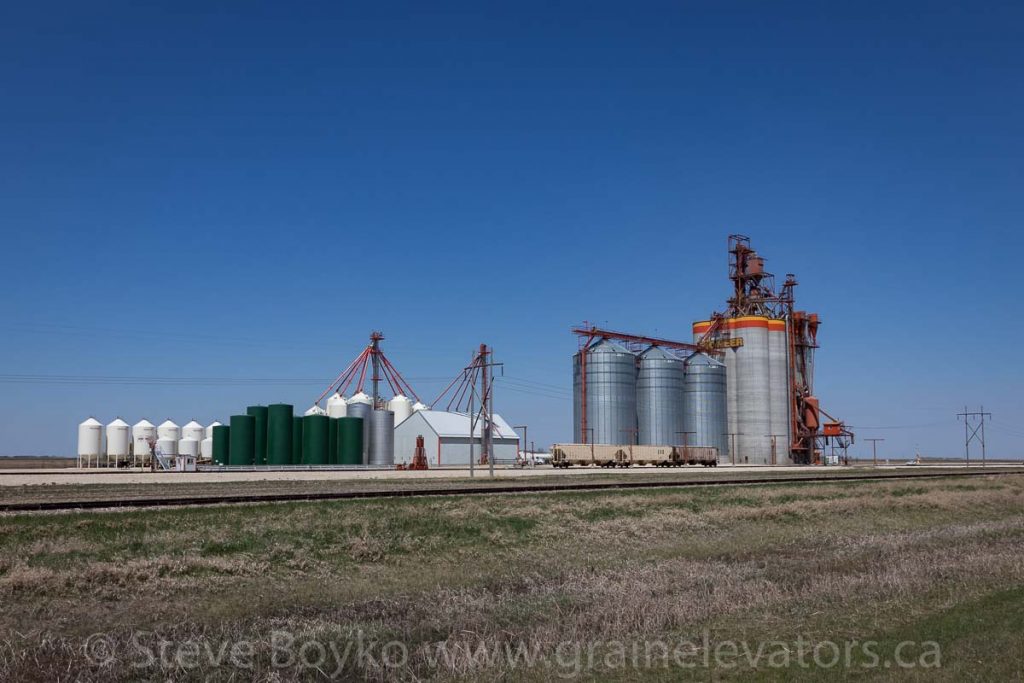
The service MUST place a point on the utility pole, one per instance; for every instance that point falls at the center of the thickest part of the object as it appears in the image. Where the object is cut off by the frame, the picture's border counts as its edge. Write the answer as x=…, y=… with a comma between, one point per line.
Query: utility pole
x=732, y=445
x=874, y=451
x=974, y=429
x=485, y=417
x=774, y=438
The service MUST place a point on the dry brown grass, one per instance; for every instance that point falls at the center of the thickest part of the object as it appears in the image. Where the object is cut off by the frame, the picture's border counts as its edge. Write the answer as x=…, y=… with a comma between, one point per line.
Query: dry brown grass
x=837, y=560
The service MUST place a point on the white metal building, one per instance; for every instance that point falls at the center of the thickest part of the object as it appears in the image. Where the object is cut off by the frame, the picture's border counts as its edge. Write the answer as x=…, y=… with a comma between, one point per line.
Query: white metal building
x=446, y=439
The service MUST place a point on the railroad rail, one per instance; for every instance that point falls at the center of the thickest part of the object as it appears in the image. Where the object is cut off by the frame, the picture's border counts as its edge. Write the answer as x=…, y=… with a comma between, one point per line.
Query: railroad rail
x=184, y=501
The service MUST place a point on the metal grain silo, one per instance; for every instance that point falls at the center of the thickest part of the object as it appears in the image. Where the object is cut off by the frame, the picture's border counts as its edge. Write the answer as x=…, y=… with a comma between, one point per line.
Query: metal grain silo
x=315, y=410
x=337, y=405
x=296, y=457
x=659, y=398
x=753, y=397
x=206, y=448
x=90, y=439
x=778, y=382
x=279, y=434
x=193, y=430
x=143, y=438
x=382, y=438
x=611, y=394
x=168, y=430
x=118, y=439
x=401, y=407
x=332, y=440
x=188, y=446
x=705, y=413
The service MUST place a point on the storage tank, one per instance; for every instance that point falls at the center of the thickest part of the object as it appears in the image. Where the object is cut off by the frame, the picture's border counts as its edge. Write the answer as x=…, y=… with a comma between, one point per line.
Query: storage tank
x=90, y=439
x=143, y=436
x=221, y=444
x=315, y=410
x=206, y=448
x=382, y=438
x=659, y=398
x=296, y=458
x=359, y=406
x=279, y=434
x=611, y=394
x=778, y=382
x=337, y=406
x=748, y=382
x=417, y=407
x=166, y=447
x=242, y=444
x=193, y=430
x=188, y=446
x=209, y=428
x=168, y=430
x=332, y=440
x=118, y=439
x=315, y=439
x=350, y=440
x=260, y=413
x=705, y=405
x=401, y=407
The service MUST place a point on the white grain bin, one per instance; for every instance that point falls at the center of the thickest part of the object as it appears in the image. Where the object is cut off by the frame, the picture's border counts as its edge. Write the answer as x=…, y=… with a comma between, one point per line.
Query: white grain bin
x=166, y=447
x=143, y=436
x=206, y=448
x=168, y=430
x=401, y=407
x=417, y=407
x=193, y=430
x=360, y=398
x=118, y=439
x=209, y=428
x=90, y=439
x=337, y=406
x=315, y=410
x=188, y=447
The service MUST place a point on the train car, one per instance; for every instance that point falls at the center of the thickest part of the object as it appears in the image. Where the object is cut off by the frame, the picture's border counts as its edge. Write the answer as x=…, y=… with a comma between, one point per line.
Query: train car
x=706, y=456
x=567, y=454
x=659, y=456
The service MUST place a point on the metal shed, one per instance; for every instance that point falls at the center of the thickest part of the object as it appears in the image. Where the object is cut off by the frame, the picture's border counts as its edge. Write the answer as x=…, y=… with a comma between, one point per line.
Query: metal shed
x=446, y=438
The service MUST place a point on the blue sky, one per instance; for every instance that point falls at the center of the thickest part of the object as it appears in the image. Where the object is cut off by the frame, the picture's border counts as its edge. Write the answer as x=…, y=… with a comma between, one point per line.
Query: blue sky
x=246, y=190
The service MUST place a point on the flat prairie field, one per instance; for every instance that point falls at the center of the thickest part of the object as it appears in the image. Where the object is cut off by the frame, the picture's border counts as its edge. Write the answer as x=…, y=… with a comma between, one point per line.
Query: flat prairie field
x=866, y=580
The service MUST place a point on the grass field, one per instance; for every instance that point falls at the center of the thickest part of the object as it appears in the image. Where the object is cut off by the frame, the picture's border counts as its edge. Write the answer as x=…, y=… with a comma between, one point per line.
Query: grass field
x=762, y=582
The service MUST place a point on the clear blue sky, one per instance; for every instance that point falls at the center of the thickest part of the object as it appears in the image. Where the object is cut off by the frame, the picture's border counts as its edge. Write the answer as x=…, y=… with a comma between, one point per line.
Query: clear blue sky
x=246, y=190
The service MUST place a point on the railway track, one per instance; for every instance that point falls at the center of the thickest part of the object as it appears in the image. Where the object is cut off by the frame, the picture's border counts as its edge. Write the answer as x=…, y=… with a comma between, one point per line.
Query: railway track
x=182, y=501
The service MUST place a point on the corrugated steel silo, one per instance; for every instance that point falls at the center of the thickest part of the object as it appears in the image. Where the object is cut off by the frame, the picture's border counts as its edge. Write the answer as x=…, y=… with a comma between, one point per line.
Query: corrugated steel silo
x=778, y=381
x=753, y=398
x=659, y=398
x=611, y=394
x=382, y=438
x=279, y=433
x=242, y=444
x=705, y=414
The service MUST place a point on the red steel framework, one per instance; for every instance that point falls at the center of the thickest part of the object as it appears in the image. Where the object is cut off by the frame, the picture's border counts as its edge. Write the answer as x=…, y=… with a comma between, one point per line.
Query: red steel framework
x=380, y=368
